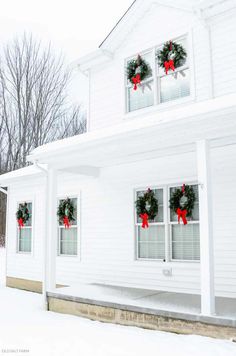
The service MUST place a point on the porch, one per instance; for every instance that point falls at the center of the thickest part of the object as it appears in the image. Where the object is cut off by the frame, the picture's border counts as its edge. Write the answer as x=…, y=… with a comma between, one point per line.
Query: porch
x=197, y=129
x=152, y=309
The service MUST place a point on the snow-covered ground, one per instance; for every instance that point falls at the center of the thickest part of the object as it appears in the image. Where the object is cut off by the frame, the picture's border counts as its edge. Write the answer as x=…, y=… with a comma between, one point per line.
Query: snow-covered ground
x=25, y=329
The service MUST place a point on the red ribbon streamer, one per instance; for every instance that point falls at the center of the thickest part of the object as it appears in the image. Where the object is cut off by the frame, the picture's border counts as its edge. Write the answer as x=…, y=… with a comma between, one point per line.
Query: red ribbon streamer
x=136, y=80
x=20, y=223
x=183, y=188
x=182, y=215
x=66, y=222
x=169, y=65
x=144, y=218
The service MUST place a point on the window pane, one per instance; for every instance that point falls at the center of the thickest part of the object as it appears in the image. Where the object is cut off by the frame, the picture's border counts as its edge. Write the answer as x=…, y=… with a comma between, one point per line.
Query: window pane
x=195, y=213
x=25, y=239
x=142, y=97
x=29, y=207
x=174, y=86
x=159, y=196
x=68, y=241
x=74, y=203
x=183, y=42
x=148, y=57
x=151, y=242
x=185, y=242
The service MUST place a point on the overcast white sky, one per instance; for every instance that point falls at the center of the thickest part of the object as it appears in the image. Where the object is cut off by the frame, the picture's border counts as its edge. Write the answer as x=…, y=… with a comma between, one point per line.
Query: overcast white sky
x=75, y=27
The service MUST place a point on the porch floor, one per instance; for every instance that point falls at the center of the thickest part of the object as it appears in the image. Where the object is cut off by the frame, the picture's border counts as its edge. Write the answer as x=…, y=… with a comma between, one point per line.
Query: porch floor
x=177, y=305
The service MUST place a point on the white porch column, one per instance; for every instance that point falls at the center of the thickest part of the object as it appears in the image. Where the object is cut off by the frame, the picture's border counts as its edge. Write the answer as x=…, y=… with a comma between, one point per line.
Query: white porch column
x=51, y=236
x=206, y=234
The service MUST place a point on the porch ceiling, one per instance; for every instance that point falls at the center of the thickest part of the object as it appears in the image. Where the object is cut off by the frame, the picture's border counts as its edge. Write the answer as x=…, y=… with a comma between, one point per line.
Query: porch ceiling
x=153, y=135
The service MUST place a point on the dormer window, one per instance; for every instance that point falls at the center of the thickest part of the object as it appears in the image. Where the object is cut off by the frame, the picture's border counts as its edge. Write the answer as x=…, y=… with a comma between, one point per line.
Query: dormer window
x=164, y=84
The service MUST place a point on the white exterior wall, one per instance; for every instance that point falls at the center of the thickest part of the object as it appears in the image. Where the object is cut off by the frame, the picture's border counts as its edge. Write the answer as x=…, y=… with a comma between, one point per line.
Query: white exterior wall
x=107, y=226
x=223, y=28
x=28, y=266
x=107, y=102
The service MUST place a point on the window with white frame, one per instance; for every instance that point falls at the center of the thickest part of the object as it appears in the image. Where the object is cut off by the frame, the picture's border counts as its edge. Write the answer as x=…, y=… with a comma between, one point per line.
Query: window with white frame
x=159, y=87
x=166, y=239
x=185, y=239
x=144, y=96
x=174, y=85
x=68, y=237
x=24, y=233
x=150, y=242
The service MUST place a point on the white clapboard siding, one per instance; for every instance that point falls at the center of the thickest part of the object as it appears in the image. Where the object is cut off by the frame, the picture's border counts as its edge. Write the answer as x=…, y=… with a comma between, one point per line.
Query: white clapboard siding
x=107, y=102
x=107, y=226
x=21, y=265
x=223, y=29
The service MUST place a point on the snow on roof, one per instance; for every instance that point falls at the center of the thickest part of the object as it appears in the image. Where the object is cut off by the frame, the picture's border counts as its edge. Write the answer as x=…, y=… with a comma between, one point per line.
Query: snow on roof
x=20, y=173
x=87, y=140
x=116, y=36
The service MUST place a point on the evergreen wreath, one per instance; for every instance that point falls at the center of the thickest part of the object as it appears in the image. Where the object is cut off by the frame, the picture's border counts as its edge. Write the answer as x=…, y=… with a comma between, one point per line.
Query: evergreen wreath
x=22, y=214
x=147, y=207
x=137, y=70
x=171, y=56
x=65, y=212
x=182, y=202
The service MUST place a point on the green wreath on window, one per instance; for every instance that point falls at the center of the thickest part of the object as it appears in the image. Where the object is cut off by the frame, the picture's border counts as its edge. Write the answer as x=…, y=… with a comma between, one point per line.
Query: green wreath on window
x=22, y=215
x=147, y=207
x=182, y=202
x=137, y=70
x=171, y=56
x=65, y=212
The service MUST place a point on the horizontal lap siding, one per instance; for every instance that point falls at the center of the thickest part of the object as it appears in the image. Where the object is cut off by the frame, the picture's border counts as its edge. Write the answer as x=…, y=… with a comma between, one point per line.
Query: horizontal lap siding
x=107, y=229
x=108, y=240
x=18, y=264
x=107, y=105
x=223, y=29
x=107, y=226
x=224, y=213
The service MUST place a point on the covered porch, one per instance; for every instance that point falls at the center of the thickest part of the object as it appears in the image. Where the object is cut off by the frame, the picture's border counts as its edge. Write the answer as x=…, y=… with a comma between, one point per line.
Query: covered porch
x=198, y=128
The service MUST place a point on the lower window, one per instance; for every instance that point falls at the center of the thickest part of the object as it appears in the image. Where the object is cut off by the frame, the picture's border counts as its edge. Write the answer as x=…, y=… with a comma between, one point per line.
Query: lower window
x=25, y=233
x=68, y=237
x=151, y=241
x=183, y=240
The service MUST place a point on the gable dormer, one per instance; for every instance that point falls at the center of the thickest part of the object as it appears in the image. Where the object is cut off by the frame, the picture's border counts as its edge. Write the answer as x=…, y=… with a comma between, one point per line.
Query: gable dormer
x=143, y=31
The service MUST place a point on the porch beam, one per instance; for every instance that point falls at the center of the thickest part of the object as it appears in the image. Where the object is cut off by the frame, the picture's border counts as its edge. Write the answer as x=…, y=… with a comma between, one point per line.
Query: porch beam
x=89, y=171
x=206, y=233
x=51, y=236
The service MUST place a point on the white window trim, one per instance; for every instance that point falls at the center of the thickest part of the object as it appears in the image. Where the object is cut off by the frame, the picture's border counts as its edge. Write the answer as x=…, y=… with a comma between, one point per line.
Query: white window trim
x=170, y=223
x=136, y=224
x=78, y=226
x=31, y=253
x=166, y=221
x=158, y=106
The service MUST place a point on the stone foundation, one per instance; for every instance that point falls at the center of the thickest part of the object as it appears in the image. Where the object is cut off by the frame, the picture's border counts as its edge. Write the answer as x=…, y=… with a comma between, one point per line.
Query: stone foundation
x=146, y=320
x=26, y=284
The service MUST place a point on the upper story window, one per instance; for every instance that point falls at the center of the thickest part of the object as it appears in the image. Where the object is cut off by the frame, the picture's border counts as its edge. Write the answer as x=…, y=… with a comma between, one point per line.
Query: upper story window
x=161, y=84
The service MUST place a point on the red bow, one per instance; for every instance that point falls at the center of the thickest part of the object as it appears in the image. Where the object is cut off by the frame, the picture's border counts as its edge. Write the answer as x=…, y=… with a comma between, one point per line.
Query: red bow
x=20, y=223
x=182, y=215
x=136, y=80
x=144, y=218
x=169, y=65
x=66, y=222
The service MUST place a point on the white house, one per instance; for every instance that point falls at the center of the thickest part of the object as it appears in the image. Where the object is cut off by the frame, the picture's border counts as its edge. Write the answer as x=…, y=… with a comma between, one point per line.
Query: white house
x=176, y=128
